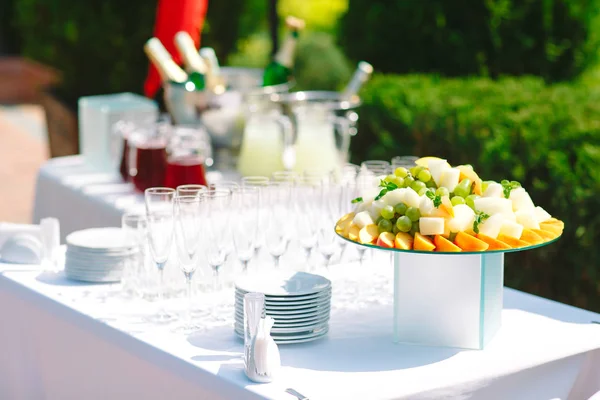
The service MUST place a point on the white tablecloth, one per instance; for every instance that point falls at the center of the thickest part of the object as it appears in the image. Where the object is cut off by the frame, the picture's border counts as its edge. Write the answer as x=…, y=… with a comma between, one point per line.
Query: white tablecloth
x=78, y=195
x=66, y=340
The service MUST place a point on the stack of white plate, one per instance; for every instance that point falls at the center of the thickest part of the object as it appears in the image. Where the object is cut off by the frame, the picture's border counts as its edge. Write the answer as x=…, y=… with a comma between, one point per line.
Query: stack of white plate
x=98, y=255
x=299, y=303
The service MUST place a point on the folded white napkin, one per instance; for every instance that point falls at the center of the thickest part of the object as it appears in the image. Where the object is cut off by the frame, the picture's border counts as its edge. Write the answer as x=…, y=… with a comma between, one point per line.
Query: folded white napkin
x=20, y=243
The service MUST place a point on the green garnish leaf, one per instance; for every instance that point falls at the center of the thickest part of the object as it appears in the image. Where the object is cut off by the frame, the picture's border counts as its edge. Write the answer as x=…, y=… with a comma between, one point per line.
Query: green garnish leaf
x=480, y=216
x=437, y=200
x=387, y=187
x=507, y=187
x=357, y=200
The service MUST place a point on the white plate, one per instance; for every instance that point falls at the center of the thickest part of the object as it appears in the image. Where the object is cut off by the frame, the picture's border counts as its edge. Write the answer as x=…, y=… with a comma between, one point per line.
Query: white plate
x=300, y=329
x=313, y=310
x=290, y=300
x=289, y=318
x=86, y=278
x=98, y=256
x=113, y=274
x=101, y=239
x=282, y=310
x=284, y=284
x=291, y=339
x=286, y=323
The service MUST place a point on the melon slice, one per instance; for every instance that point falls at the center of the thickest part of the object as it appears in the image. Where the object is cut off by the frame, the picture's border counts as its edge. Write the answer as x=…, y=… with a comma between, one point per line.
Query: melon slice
x=443, y=244
x=470, y=243
x=545, y=234
x=513, y=242
x=423, y=243
x=555, y=229
x=353, y=232
x=530, y=236
x=404, y=241
x=495, y=244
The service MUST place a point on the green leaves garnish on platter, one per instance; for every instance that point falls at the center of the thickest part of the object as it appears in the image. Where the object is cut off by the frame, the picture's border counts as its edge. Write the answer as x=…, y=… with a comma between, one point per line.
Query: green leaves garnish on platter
x=480, y=216
x=387, y=187
x=507, y=187
x=357, y=200
x=437, y=200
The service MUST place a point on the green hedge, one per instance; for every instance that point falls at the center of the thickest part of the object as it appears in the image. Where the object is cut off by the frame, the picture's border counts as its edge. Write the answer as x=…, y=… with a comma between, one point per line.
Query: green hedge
x=555, y=39
x=545, y=136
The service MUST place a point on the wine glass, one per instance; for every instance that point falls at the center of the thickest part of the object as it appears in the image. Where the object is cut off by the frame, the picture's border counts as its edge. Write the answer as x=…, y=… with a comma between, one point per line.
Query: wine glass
x=189, y=219
x=159, y=215
x=230, y=185
x=218, y=230
x=135, y=227
x=277, y=232
x=308, y=196
x=245, y=228
x=404, y=161
x=190, y=190
x=327, y=242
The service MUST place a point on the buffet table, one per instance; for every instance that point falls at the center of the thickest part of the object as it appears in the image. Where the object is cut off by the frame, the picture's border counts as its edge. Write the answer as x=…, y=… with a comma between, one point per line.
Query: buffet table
x=65, y=340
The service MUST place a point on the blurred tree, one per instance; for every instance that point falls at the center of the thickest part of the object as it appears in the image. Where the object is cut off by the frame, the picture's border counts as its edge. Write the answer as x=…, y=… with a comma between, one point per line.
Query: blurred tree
x=555, y=39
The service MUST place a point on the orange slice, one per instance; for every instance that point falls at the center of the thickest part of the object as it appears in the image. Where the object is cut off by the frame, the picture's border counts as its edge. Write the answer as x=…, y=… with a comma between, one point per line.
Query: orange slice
x=443, y=244
x=423, y=243
x=546, y=236
x=470, y=243
x=513, y=242
x=495, y=244
x=530, y=236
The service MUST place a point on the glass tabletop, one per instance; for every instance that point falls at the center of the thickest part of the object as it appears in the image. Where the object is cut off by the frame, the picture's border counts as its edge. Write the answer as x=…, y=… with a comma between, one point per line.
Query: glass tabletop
x=455, y=253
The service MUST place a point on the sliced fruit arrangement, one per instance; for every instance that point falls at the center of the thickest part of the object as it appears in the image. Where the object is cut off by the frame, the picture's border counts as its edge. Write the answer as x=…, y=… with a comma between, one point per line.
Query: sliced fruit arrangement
x=436, y=207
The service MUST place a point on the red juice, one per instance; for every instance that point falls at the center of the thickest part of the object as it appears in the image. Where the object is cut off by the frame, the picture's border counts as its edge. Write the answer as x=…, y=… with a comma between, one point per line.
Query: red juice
x=184, y=171
x=151, y=165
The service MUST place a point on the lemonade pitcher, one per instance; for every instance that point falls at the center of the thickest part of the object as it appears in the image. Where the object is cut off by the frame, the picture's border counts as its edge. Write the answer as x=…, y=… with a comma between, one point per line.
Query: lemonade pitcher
x=322, y=139
x=267, y=144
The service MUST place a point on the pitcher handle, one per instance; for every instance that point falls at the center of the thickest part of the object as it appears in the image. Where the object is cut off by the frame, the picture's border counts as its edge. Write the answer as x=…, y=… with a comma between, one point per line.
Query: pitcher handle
x=342, y=128
x=288, y=157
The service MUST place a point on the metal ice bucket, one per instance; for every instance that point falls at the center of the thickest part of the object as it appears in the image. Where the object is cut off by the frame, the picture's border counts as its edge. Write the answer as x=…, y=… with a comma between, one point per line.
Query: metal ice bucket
x=221, y=114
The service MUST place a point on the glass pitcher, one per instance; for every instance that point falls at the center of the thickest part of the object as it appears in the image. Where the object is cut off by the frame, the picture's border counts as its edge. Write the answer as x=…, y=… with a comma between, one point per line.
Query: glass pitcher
x=188, y=153
x=322, y=139
x=266, y=144
x=147, y=156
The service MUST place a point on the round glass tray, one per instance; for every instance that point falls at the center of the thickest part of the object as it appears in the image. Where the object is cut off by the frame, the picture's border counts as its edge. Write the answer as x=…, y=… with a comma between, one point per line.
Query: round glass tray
x=453, y=253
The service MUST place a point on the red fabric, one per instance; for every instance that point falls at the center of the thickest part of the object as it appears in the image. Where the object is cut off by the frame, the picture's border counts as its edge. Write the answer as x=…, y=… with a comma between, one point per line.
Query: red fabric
x=173, y=16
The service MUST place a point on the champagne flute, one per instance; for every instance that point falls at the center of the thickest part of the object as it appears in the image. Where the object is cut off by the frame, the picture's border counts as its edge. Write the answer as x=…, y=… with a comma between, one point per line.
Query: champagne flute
x=189, y=219
x=260, y=183
x=191, y=190
x=245, y=226
x=277, y=232
x=218, y=225
x=308, y=198
x=159, y=216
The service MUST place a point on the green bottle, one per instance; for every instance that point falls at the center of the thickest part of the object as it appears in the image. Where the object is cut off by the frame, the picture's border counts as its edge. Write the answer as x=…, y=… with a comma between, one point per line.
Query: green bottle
x=280, y=69
x=194, y=64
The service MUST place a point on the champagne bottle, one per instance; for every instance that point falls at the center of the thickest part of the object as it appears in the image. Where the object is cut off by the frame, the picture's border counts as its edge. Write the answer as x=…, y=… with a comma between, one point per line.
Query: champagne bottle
x=194, y=64
x=168, y=70
x=280, y=69
x=214, y=79
x=361, y=75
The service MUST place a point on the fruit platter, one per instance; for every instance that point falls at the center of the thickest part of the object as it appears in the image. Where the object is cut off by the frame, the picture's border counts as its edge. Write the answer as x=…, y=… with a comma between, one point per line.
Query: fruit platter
x=423, y=214
x=434, y=207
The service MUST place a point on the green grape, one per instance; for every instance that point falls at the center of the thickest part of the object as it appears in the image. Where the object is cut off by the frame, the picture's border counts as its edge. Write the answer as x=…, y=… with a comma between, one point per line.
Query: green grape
x=417, y=185
x=414, y=171
x=404, y=224
x=431, y=184
x=415, y=226
x=423, y=191
x=413, y=213
x=387, y=212
x=400, y=208
x=485, y=184
x=456, y=200
x=395, y=229
x=470, y=200
x=442, y=191
x=390, y=178
x=408, y=181
x=384, y=226
x=401, y=172
x=463, y=189
x=378, y=220
x=399, y=182
x=424, y=176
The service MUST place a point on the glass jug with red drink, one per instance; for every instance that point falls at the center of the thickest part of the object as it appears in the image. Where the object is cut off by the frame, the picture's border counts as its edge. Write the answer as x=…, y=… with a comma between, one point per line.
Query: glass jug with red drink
x=188, y=153
x=147, y=156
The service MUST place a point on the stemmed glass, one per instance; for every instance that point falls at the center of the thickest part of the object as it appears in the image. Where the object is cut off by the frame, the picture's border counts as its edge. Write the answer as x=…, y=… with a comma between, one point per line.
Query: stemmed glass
x=159, y=215
x=135, y=227
x=218, y=229
x=189, y=219
x=260, y=183
x=245, y=229
x=277, y=232
x=229, y=185
x=404, y=161
x=191, y=190
x=327, y=242
x=308, y=201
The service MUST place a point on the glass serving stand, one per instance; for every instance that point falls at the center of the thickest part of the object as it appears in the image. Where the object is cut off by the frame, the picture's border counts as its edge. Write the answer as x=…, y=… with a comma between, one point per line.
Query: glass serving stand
x=451, y=299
